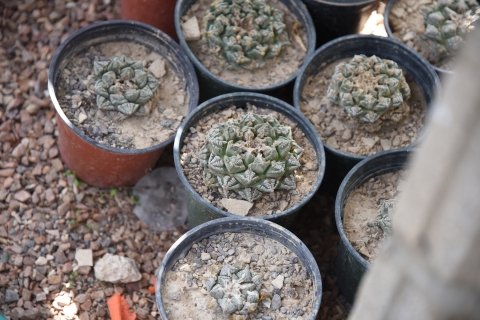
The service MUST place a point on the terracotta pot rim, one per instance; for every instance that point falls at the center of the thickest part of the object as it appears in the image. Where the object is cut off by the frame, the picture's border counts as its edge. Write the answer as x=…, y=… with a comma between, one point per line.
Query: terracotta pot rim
x=193, y=96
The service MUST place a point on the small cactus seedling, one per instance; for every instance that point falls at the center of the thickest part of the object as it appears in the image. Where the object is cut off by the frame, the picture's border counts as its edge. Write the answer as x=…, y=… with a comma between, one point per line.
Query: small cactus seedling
x=384, y=218
x=368, y=87
x=123, y=85
x=447, y=23
x=245, y=32
x=236, y=290
x=250, y=155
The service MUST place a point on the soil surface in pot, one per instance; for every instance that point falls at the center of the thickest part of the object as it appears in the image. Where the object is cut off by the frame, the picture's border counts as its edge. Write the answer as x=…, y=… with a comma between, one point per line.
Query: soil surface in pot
x=77, y=97
x=275, y=70
x=407, y=25
x=338, y=130
x=268, y=203
x=286, y=290
x=363, y=206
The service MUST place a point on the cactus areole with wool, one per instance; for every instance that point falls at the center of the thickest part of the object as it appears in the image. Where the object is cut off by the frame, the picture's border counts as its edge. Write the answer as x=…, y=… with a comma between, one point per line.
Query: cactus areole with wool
x=368, y=87
x=250, y=155
x=447, y=24
x=123, y=85
x=245, y=32
x=235, y=290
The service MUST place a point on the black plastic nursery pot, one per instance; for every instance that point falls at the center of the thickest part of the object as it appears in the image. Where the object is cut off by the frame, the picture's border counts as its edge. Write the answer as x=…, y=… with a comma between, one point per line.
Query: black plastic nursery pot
x=212, y=86
x=350, y=265
x=201, y=211
x=99, y=164
x=250, y=225
x=443, y=73
x=336, y=18
x=421, y=72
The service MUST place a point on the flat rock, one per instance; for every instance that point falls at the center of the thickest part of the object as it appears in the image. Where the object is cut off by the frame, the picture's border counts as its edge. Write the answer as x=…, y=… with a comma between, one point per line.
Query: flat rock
x=113, y=268
x=278, y=282
x=191, y=30
x=84, y=257
x=157, y=68
x=22, y=196
x=238, y=207
x=41, y=261
x=161, y=198
x=11, y=296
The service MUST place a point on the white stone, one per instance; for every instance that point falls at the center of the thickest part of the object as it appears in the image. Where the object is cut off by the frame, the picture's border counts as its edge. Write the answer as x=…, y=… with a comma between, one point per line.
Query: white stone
x=278, y=282
x=368, y=142
x=186, y=267
x=112, y=268
x=70, y=311
x=62, y=300
x=41, y=261
x=238, y=207
x=205, y=256
x=386, y=144
x=82, y=117
x=84, y=257
x=191, y=30
x=157, y=68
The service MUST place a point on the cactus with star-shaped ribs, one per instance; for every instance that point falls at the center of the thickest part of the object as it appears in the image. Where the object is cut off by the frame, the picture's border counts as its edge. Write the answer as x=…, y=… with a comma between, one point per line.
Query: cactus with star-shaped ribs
x=243, y=32
x=250, y=155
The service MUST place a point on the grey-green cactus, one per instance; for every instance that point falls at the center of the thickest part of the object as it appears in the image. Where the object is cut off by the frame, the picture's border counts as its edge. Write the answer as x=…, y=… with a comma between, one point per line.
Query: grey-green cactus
x=245, y=32
x=447, y=23
x=236, y=290
x=384, y=218
x=122, y=84
x=250, y=155
x=368, y=87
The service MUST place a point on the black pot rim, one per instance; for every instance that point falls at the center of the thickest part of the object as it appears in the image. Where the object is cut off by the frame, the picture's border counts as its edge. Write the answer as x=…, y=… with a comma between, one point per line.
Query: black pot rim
x=297, y=93
x=237, y=87
x=338, y=202
x=125, y=24
x=320, y=153
x=386, y=14
x=346, y=4
x=220, y=222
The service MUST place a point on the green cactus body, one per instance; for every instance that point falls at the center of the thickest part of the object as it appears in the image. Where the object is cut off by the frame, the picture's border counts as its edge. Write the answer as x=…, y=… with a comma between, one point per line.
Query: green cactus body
x=245, y=32
x=250, y=155
x=236, y=290
x=447, y=24
x=123, y=85
x=384, y=218
x=368, y=87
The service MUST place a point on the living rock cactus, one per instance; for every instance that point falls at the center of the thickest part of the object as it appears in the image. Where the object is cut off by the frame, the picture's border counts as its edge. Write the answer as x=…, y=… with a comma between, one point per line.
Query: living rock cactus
x=123, y=85
x=245, y=32
x=384, y=218
x=235, y=290
x=368, y=87
x=250, y=155
x=447, y=23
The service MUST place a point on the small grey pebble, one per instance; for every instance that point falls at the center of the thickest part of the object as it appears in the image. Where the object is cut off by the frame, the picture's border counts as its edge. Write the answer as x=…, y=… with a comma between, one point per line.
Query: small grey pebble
x=283, y=310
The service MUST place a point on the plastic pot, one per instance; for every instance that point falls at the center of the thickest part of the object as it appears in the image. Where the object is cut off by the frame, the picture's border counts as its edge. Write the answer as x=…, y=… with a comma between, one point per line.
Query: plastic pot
x=443, y=73
x=212, y=86
x=157, y=13
x=201, y=211
x=336, y=18
x=418, y=69
x=240, y=225
x=350, y=265
x=99, y=164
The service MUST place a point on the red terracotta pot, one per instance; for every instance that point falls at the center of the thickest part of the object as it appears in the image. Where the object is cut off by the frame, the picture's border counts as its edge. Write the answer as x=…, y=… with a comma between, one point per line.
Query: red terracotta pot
x=88, y=159
x=158, y=13
x=99, y=164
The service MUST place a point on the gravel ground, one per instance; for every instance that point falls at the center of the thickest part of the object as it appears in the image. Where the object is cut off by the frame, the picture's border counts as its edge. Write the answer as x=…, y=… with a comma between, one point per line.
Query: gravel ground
x=46, y=214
